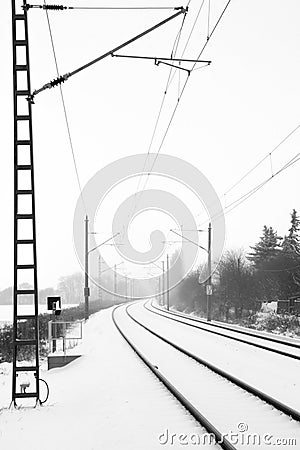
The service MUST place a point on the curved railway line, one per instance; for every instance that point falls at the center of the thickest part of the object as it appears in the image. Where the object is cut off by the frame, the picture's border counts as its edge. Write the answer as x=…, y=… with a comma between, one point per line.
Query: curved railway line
x=226, y=445
x=215, y=329
x=214, y=376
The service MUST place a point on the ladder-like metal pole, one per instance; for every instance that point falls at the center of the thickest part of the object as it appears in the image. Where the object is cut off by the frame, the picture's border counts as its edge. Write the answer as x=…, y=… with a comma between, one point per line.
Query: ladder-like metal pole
x=24, y=220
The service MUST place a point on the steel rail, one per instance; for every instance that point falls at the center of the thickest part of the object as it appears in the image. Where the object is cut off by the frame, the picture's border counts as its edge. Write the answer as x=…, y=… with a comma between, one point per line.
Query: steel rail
x=221, y=440
x=254, y=344
x=242, y=384
x=227, y=327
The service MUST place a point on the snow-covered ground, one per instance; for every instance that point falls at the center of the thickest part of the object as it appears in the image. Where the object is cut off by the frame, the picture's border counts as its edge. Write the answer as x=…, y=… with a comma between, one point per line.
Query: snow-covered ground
x=107, y=400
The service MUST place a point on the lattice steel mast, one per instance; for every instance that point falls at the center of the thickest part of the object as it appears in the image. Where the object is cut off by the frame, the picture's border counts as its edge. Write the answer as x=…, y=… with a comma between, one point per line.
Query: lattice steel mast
x=24, y=220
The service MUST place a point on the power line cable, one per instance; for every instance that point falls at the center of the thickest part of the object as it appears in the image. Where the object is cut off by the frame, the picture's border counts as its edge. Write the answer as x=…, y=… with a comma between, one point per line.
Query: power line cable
x=173, y=54
x=139, y=194
x=65, y=112
x=269, y=154
x=263, y=159
x=258, y=187
x=208, y=20
x=169, y=81
x=255, y=189
x=190, y=35
x=179, y=98
x=193, y=27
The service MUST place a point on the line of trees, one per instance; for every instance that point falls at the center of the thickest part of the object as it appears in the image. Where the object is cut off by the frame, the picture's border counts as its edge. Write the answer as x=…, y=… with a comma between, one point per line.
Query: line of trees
x=69, y=287
x=269, y=272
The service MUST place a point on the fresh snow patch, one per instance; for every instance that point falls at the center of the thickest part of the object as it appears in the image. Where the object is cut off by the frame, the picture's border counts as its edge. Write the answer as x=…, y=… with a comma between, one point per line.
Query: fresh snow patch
x=107, y=399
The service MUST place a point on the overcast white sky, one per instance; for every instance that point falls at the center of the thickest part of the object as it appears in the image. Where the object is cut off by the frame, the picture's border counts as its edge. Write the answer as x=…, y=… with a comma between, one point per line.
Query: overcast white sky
x=231, y=115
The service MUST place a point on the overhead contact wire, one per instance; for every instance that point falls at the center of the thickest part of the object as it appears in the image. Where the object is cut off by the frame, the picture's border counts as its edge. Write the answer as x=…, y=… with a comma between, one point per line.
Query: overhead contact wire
x=173, y=54
x=183, y=89
x=255, y=189
x=263, y=159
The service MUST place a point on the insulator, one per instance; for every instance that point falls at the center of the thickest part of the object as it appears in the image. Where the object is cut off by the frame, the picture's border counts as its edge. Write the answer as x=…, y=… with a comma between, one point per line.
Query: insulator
x=54, y=7
x=58, y=80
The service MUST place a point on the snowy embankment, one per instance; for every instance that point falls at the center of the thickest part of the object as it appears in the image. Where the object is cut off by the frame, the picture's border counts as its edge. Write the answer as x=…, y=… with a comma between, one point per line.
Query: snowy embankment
x=107, y=399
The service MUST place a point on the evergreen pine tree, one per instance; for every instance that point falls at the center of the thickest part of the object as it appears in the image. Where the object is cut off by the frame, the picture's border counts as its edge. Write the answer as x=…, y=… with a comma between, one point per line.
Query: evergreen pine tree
x=291, y=242
x=267, y=248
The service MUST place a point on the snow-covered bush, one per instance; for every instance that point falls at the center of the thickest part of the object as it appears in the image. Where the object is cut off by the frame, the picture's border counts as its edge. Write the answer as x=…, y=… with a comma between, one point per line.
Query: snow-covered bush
x=278, y=323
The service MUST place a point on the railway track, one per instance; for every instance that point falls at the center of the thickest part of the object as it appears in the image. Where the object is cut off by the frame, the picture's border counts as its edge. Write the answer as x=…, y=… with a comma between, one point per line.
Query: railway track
x=173, y=390
x=275, y=345
x=207, y=392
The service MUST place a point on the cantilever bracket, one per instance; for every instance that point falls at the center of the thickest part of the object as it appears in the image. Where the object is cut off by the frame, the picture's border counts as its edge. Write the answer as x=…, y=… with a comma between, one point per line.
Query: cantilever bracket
x=62, y=78
x=157, y=62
